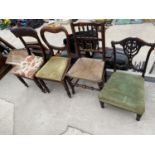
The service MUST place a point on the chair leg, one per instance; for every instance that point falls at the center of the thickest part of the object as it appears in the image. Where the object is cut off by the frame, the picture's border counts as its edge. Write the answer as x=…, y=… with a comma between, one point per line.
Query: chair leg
x=66, y=88
x=100, y=85
x=44, y=85
x=138, y=117
x=105, y=76
x=102, y=104
x=71, y=85
x=22, y=80
x=39, y=85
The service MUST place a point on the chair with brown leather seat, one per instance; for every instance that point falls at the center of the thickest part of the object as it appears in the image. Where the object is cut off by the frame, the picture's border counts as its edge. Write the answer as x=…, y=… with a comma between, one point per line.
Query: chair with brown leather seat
x=33, y=61
x=56, y=67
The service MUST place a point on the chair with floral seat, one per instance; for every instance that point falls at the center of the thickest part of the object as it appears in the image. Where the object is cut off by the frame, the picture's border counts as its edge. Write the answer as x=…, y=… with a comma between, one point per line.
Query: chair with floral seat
x=126, y=90
x=32, y=62
x=56, y=67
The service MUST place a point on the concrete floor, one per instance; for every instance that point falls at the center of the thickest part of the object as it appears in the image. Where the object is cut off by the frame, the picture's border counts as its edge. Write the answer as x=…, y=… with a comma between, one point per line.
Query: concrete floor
x=33, y=112
x=39, y=113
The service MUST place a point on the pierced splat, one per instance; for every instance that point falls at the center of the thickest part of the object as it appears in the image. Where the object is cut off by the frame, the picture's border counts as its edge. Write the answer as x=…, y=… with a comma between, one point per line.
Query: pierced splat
x=131, y=47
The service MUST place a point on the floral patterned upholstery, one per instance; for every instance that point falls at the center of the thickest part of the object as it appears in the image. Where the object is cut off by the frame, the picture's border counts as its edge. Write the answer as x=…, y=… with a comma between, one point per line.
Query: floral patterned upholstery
x=28, y=67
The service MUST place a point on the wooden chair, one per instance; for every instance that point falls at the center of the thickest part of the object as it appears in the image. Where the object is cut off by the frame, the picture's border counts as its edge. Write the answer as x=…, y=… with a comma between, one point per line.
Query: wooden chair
x=89, y=39
x=5, y=48
x=56, y=67
x=126, y=90
x=32, y=63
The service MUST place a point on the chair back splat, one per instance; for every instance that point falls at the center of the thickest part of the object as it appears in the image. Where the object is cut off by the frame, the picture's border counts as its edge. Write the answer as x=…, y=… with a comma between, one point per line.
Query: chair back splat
x=131, y=47
x=53, y=47
x=89, y=38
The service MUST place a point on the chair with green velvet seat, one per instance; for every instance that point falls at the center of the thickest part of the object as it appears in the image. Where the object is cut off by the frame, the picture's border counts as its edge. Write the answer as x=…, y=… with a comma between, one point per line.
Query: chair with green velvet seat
x=56, y=67
x=125, y=90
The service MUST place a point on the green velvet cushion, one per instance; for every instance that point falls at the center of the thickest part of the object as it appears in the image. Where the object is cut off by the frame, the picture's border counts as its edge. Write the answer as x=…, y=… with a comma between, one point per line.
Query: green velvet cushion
x=124, y=91
x=53, y=69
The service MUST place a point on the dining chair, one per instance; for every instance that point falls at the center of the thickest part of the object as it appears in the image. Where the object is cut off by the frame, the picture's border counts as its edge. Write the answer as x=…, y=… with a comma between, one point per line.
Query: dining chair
x=33, y=61
x=89, y=38
x=5, y=48
x=125, y=90
x=56, y=67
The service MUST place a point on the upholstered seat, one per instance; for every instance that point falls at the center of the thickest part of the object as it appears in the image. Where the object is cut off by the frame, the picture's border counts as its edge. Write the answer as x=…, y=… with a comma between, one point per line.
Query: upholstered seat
x=87, y=69
x=54, y=69
x=28, y=67
x=125, y=91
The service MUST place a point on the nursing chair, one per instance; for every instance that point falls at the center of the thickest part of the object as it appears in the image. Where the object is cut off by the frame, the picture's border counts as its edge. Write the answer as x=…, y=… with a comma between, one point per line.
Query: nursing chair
x=124, y=90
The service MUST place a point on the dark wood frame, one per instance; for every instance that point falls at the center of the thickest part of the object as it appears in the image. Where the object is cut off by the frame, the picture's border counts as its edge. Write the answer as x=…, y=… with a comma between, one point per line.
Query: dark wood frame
x=132, y=51
x=94, y=27
x=30, y=32
x=7, y=43
x=131, y=47
x=89, y=26
x=65, y=81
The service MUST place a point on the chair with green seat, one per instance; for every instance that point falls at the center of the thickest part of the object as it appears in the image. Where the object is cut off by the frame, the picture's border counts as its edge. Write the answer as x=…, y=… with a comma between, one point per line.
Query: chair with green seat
x=56, y=67
x=125, y=90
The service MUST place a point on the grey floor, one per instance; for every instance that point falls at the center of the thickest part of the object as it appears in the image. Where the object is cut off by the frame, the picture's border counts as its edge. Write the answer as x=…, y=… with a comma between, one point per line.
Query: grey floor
x=53, y=113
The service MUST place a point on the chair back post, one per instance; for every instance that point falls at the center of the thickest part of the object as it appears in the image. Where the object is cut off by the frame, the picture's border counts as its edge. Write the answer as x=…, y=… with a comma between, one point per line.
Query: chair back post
x=68, y=47
x=147, y=59
x=23, y=41
x=131, y=47
x=7, y=43
x=114, y=52
x=103, y=37
x=29, y=32
x=75, y=40
x=53, y=47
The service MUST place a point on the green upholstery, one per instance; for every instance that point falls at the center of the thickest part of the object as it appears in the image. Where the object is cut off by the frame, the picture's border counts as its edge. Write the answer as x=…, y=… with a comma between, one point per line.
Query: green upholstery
x=124, y=91
x=54, y=69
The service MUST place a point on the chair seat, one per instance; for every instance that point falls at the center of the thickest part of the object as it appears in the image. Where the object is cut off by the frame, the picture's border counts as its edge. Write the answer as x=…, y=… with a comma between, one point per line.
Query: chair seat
x=28, y=67
x=54, y=69
x=87, y=69
x=124, y=91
